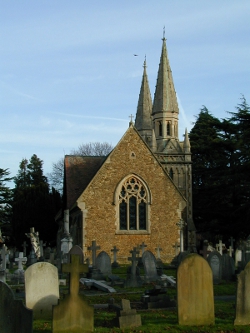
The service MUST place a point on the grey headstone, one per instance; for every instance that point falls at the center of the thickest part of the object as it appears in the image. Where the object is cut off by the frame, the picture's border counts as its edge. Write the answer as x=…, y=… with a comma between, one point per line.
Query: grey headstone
x=215, y=262
x=103, y=263
x=76, y=249
x=14, y=316
x=149, y=264
x=228, y=267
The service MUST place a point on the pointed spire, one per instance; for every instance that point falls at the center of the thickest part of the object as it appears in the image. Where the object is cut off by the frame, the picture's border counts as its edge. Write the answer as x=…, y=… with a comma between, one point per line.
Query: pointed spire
x=153, y=142
x=143, y=120
x=165, y=99
x=186, y=143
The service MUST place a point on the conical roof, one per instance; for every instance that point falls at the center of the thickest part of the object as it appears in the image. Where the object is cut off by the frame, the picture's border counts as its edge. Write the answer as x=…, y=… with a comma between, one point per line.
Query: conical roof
x=165, y=99
x=144, y=108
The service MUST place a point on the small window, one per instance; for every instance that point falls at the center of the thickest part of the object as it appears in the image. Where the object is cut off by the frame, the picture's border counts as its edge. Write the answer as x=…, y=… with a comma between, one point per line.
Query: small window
x=168, y=128
x=160, y=128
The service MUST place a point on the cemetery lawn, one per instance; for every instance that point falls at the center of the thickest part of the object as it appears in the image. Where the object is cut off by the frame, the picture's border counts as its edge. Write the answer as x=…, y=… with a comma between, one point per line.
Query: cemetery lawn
x=159, y=320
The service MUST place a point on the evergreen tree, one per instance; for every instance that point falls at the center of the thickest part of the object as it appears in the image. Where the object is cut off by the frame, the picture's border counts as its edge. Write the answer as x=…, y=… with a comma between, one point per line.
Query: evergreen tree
x=34, y=204
x=221, y=181
x=6, y=195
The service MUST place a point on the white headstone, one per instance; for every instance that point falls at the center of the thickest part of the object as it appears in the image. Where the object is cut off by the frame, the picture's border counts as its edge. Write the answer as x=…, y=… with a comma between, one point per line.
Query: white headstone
x=41, y=289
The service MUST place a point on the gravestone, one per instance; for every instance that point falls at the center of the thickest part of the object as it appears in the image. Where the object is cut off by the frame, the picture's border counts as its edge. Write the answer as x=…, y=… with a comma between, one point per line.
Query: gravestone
x=243, y=298
x=149, y=264
x=195, y=297
x=76, y=249
x=157, y=298
x=215, y=262
x=128, y=317
x=41, y=289
x=73, y=314
x=103, y=263
x=133, y=272
x=238, y=259
x=18, y=276
x=94, y=272
x=228, y=267
x=115, y=263
x=14, y=316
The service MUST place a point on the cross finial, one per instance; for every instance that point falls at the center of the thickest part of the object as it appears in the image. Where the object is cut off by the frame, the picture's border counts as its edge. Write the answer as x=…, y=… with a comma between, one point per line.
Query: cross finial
x=131, y=120
x=164, y=33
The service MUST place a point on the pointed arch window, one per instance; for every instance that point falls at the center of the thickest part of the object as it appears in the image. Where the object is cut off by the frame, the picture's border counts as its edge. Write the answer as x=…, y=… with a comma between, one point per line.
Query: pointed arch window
x=171, y=174
x=133, y=199
x=160, y=128
x=168, y=128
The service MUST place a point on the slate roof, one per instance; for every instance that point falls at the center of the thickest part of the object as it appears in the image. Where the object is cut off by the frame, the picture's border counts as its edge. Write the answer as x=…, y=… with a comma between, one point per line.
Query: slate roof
x=78, y=172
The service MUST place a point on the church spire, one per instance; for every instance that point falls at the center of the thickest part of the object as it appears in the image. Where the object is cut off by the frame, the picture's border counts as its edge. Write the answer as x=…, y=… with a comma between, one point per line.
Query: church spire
x=143, y=122
x=165, y=107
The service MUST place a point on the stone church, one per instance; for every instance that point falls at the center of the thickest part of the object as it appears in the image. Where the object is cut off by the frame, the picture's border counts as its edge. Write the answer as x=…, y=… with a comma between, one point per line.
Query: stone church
x=142, y=191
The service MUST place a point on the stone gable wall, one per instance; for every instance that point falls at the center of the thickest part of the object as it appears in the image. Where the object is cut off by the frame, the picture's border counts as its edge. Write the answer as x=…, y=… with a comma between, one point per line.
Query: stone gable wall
x=131, y=156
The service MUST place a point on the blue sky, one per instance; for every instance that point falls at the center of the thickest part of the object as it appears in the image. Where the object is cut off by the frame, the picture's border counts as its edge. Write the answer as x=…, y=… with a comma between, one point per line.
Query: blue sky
x=68, y=74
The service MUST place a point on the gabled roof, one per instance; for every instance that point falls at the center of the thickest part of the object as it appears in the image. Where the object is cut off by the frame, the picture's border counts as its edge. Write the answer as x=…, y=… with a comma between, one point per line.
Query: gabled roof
x=78, y=172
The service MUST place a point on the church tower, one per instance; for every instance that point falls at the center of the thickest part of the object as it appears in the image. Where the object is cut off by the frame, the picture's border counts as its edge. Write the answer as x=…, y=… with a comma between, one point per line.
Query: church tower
x=157, y=123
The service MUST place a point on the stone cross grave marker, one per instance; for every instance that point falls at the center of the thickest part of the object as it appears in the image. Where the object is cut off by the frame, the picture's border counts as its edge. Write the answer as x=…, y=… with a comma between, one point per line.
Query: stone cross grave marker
x=219, y=247
x=73, y=314
x=158, y=252
x=195, y=297
x=14, y=316
x=115, y=250
x=149, y=264
x=42, y=245
x=133, y=279
x=94, y=248
x=127, y=316
x=143, y=247
x=41, y=289
x=21, y=260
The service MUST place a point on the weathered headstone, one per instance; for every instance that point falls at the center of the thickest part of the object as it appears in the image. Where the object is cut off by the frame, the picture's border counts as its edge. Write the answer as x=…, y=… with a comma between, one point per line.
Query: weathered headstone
x=149, y=264
x=24, y=245
x=128, y=317
x=94, y=272
x=76, y=249
x=14, y=316
x=133, y=273
x=228, y=267
x=21, y=260
x=73, y=314
x=238, y=258
x=243, y=298
x=41, y=289
x=195, y=297
x=103, y=263
x=215, y=262
x=115, y=263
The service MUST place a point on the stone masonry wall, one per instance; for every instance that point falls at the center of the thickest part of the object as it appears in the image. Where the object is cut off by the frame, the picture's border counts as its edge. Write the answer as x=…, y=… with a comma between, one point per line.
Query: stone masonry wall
x=131, y=156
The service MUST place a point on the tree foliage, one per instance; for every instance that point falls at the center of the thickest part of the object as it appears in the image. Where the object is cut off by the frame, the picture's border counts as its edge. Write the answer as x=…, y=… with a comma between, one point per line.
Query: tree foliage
x=5, y=197
x=85, y=149
x=34, y=205
x=221, y=181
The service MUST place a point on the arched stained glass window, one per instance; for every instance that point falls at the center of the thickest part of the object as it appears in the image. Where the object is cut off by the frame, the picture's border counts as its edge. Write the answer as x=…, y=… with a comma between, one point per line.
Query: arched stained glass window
x=133, y=205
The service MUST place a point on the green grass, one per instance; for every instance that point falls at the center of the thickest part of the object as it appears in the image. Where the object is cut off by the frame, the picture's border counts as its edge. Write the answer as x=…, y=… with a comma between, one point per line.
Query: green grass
x=155, y=321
